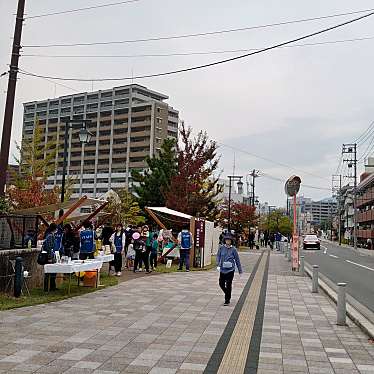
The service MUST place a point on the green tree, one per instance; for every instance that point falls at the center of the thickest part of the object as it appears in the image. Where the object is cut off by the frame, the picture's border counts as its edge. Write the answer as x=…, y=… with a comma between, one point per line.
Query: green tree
x=194, y=189
x=277, y=222
x=4, y=205
x=153, y=184
x=124, y=208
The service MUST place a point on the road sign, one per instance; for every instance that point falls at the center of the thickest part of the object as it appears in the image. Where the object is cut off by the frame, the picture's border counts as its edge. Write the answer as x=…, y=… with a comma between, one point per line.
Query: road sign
x=292, y=185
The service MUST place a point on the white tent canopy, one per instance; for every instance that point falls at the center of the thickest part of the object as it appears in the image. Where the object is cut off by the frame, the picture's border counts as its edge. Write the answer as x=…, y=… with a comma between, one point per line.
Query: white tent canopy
x=170, y=212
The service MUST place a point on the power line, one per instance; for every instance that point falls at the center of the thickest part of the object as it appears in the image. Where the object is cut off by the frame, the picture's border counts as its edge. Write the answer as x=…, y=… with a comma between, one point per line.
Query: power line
x=269, y=176
x=212, y=63
x=193, y=35
x=59, y=84
x=197, y=53
x=81, y=9
x=272, y=161
x=364, y=134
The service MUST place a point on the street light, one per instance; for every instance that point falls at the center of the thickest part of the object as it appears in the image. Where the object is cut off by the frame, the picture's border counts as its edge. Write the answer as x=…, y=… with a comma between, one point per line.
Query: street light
x=84, y=137
x=240, y=188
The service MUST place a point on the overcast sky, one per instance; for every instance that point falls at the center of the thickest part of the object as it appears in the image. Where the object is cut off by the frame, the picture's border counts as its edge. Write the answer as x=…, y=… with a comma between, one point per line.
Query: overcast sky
x=295, y=106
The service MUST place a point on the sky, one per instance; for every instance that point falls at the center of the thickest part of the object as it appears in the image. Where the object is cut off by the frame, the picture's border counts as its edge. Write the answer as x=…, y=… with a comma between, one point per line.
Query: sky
x=285, y=111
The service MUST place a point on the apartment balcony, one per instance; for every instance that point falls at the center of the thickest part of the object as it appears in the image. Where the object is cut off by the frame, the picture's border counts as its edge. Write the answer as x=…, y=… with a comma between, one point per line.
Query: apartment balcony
x=365, y=216
x=365, y=234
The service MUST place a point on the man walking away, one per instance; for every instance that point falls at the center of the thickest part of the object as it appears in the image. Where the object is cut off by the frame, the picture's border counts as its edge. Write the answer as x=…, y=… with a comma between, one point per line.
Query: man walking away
x=49, y=247
x=262, y=239
x=185, y=241
x=278, y=238
x=227, y=258
x=87, y=239
x=118, y=240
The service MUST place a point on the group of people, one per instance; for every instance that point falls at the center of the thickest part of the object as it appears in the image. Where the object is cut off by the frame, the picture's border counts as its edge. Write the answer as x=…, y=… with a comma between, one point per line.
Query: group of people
x=140, y=246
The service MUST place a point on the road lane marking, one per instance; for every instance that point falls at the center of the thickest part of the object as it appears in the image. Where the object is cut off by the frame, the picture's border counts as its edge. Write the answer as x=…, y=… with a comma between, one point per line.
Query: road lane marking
x=362, y=266
x=334, y=256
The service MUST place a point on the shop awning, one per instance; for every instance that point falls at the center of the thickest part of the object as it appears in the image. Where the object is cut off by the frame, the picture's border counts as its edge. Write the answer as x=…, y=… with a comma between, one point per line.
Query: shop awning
x=170, y=212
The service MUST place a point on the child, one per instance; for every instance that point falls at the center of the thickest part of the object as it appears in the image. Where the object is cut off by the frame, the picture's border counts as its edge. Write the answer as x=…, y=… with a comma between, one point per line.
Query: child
x=154, y=252
x=130, y=257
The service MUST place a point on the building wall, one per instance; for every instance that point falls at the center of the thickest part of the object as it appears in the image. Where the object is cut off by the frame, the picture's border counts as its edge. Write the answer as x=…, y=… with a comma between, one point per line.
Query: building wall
x=128, y=124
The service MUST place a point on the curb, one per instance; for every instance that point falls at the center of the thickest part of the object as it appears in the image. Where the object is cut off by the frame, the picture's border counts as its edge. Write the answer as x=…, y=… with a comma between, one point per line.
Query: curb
x=354, y=315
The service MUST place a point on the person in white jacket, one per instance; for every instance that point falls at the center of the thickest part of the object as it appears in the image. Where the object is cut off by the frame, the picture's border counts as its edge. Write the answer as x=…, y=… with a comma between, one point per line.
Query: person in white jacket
x=118, y=241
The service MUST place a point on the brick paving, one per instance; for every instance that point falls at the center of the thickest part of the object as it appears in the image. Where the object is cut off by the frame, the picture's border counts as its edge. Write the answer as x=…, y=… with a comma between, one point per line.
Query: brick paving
x=300, y=334
x=171, y=323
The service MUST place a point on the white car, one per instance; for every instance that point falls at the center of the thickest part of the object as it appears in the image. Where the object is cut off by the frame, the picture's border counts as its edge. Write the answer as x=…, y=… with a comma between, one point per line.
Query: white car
x=311, y=242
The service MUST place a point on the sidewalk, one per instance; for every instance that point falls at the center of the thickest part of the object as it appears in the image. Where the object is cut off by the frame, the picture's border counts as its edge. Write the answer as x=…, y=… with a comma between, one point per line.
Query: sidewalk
x=176, y=323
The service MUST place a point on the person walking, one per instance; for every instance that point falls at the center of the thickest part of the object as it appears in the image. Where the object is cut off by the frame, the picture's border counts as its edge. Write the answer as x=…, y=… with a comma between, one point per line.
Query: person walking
x=271, y=240
x=49, y=246
x=278, y=238
x=87, y=242
x=185, y=242
x=118, y=241
x=262, y=239
x=227, y=259
x=140, y=251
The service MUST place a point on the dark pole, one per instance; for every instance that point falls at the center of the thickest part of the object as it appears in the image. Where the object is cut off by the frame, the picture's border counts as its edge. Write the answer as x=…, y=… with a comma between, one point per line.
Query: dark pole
x=355, y=199
x=253, y=186
x=11, y=91
x=339, y=216
x=66, y=142
x=229, y=223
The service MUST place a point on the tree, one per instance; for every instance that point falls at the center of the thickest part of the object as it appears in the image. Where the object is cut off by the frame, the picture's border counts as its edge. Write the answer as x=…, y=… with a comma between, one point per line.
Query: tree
x=124, y=208
x=277, y=222
x=4, y=205
x=243, y=216
x=194, y=189
x=154, y=183
x=36, y=164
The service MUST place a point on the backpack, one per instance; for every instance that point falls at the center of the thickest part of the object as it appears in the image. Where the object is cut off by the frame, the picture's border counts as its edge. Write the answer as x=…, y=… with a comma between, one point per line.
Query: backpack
x=42, y=258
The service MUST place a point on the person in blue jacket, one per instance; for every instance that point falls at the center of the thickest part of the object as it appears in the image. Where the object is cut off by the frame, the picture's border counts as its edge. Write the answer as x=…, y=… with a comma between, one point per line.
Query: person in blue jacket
x=87, y=240
x=227, y=259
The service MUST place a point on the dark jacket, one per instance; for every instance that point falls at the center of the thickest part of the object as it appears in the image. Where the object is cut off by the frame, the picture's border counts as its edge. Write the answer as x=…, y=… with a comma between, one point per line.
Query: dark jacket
x=70, y=243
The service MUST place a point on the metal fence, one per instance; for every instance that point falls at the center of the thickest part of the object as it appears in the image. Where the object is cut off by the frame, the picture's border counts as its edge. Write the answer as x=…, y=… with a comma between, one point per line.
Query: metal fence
x=18, y=231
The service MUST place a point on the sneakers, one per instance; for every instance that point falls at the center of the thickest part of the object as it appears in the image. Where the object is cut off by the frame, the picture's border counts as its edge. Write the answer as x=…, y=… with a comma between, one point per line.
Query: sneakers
x=149, y=271
x=226, y=303
x=188, y=270
x=179, y=269
x=118, y=274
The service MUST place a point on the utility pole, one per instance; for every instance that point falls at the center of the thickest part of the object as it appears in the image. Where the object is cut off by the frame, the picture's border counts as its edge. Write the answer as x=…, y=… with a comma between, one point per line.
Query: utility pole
x=240, y=185
x=336, y=191
x=351, y=151
x=10, y=96
x=254, y=174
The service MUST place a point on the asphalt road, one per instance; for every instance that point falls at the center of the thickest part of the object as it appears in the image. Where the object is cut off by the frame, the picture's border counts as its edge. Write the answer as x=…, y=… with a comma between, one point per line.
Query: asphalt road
x=341, y=264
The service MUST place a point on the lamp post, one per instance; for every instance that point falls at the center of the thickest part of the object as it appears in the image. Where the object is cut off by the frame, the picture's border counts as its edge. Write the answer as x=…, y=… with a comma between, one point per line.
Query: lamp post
x=84, y=137
x=240, y=187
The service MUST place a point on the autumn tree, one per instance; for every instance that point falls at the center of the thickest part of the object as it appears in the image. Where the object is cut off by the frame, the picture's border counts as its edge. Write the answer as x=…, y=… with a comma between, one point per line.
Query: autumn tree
x=36, y=163
x=194, y=189
x=243, y=216
x=124, y=208
x=152, y=185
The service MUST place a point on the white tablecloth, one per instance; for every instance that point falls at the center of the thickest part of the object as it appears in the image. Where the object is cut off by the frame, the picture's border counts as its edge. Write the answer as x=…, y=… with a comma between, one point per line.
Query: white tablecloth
x=105, y=258
x=73, y=267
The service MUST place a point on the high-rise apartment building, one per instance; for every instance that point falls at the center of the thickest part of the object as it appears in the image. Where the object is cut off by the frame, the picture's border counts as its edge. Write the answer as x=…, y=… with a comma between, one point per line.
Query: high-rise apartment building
x=128, y=123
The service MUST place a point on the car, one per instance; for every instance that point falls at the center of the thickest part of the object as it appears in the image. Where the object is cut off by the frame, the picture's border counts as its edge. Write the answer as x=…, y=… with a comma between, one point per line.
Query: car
x=311, y=242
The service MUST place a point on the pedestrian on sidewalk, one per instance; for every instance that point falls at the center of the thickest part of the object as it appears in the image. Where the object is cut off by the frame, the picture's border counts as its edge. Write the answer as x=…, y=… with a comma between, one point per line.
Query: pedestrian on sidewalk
x=271, y=240
x=266, y=239
x=154, y=252
x=185, y=242
x=118, y=242
x=262, y=239
x=227, y=259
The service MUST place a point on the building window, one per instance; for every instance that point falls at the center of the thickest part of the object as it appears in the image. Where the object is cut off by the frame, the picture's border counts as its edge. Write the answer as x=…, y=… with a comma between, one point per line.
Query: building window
x=106, y=94
x=93, y=97
x=121, y=92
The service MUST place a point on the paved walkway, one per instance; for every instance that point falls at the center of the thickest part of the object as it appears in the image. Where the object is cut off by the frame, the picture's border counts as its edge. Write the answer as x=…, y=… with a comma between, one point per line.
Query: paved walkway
x=176, y=323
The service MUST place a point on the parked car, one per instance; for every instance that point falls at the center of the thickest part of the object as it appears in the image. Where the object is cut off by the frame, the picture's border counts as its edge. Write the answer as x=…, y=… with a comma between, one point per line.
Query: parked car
x=311, y=242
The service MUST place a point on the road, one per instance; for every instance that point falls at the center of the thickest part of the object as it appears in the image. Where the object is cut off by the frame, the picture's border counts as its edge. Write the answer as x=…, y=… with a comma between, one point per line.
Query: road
x=341, y=264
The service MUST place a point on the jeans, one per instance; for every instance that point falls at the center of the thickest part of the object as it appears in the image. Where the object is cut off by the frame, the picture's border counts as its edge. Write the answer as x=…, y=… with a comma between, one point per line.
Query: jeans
x=49, y=282
x=225, y=282
x=153, y=259
x=184, y=258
